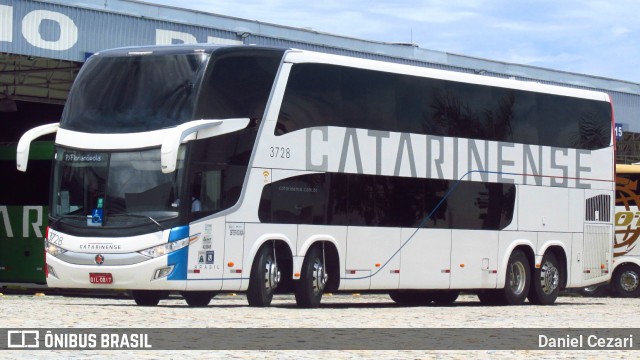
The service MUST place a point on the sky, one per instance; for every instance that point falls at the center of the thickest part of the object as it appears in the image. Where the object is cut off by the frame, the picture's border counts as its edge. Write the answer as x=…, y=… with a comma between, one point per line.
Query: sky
x=600, y=38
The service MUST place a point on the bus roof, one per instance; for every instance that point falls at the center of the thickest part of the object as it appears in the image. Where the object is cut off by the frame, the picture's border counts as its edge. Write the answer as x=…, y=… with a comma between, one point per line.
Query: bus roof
x=301, y=56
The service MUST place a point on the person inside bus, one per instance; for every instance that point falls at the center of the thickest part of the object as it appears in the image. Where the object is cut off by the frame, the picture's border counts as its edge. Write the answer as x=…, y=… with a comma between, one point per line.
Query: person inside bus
x=196, y=204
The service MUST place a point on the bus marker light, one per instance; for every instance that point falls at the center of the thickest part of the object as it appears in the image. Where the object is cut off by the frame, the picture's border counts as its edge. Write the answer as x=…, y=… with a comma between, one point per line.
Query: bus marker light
x=446, y=271
x=395, y=271
x=587, y=271
x=230, y=264
x=296, y=275
x=162, y=272
x=378, y=265
x=461, y=265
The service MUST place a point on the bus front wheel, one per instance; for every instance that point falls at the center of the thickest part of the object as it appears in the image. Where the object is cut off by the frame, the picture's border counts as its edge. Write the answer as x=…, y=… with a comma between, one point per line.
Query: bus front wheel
x=313, y=279
x=264, y=278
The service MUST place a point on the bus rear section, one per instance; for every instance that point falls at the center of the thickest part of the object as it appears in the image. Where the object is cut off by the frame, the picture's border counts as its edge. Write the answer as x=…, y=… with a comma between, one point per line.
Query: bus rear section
x=625, y=279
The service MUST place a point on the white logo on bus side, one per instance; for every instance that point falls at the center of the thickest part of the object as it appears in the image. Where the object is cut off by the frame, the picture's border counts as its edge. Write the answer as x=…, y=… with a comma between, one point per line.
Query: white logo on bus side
x=27, y=225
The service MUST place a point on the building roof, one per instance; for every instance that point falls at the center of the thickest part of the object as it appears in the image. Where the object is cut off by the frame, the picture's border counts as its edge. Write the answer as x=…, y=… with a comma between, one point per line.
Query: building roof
x=35, y=46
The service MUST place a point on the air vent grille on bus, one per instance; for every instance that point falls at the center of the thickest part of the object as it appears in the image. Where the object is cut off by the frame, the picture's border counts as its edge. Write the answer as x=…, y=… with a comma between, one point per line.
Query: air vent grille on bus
x=598, y=208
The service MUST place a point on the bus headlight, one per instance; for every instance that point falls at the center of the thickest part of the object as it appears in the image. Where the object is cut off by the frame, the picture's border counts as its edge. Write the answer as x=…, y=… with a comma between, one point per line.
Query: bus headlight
x=53, y=250
x=165, y=249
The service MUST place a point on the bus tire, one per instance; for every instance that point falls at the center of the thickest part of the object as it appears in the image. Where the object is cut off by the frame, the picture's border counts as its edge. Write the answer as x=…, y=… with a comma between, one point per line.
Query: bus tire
x=626, y=281
x=546, y=283
x=313, y=279
x=517, y=280
x=264, y=278
x=447, y=297
x=148, y=297
x=198, y=298
x=411, y=297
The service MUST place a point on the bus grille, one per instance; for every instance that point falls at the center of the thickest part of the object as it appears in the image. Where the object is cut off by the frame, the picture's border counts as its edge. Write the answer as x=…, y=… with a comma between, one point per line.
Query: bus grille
x=598, y=208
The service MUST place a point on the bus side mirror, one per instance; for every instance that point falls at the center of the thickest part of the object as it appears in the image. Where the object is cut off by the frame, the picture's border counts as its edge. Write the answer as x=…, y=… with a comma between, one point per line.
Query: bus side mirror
x=22, y=151
x=194, y=129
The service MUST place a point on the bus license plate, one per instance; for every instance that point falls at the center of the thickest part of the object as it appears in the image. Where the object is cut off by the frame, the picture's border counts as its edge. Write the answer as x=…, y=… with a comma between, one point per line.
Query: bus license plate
x=100, y=278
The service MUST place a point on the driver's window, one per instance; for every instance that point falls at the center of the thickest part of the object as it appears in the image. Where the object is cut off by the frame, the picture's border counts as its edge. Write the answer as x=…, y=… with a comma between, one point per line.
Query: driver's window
x=206, y=191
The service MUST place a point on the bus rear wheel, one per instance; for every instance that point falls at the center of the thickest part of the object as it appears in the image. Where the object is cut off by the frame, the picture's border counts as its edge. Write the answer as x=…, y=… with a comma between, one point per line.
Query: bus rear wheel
x=198, y=298
x=626, y=281
x=148, y=297
x=313, y=279
x=546, y=281
x=264, y=278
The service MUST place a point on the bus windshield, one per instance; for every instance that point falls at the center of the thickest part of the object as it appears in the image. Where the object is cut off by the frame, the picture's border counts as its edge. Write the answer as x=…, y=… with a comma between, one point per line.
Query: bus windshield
x=117, y=189
x=133, y=93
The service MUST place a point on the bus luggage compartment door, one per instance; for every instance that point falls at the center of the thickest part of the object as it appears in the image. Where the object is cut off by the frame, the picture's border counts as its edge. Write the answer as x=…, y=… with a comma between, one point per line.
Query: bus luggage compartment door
x=597, y=252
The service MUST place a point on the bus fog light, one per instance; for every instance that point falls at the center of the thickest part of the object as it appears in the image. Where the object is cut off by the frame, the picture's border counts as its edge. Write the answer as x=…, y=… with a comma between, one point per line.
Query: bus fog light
x=162, y=272
x=51, y=271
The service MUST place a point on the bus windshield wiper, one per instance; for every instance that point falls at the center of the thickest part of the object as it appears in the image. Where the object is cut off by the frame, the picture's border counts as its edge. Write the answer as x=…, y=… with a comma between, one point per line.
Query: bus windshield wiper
x=140, y=216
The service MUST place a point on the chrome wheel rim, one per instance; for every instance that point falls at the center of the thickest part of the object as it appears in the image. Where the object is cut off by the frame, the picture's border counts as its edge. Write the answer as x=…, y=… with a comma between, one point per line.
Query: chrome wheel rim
x=517, y=278
x=629, y=281
x=549, y=277
x=271, y=275
x=319, y=277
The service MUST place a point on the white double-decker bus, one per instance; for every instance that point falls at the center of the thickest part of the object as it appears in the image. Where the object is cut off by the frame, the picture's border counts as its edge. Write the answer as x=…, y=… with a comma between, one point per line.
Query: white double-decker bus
x=204, y=169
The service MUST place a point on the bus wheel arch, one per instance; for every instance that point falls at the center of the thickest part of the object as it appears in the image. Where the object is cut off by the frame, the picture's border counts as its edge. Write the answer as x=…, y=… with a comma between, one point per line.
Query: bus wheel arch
x=549, y=278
